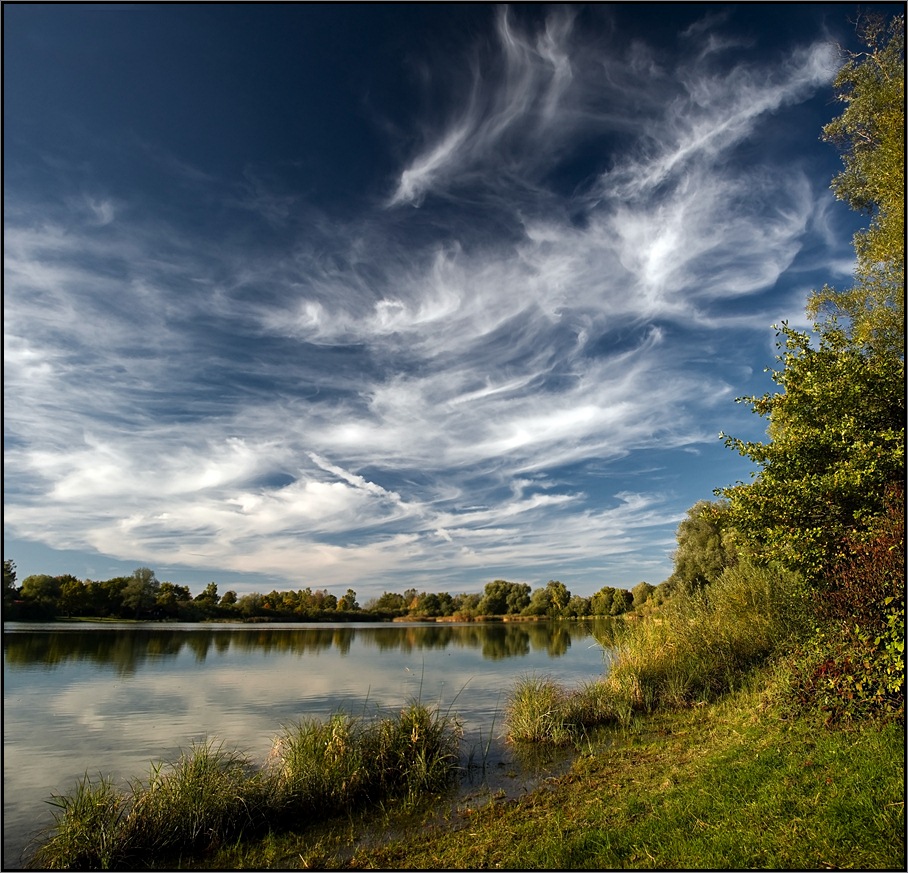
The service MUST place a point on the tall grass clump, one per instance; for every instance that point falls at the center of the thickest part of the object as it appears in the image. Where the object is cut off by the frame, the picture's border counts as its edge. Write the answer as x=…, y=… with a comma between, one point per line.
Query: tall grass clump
x=320, y=769
x=87, y=833
x=317, y=767
x=210, y=794
x=540, y=710
x=415, y=753
x=706, y=642
x=700, y=646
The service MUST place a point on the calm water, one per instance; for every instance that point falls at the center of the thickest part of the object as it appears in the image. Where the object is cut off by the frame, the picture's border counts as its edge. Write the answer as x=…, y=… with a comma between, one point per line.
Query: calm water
x=110, y=699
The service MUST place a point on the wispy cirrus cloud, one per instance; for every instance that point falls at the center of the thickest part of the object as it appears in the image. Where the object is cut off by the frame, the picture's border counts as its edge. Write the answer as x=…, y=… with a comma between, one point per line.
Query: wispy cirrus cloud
x=399, y=394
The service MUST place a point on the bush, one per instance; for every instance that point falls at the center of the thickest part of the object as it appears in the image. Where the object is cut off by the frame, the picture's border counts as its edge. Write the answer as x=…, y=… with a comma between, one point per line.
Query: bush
x=854, y=666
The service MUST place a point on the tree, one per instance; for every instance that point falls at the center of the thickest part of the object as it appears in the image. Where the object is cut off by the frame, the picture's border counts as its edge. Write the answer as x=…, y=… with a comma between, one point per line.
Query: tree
x=348, y=603
x=210, y=594
x=170, y=598
x=141, y=591
x=9, y=582
x=871, y=134
x=622, y=600
x=641, y=593
x=705, y=546
x=837, y=443
x=504, y=598
x=601, y=601
x=74, y=599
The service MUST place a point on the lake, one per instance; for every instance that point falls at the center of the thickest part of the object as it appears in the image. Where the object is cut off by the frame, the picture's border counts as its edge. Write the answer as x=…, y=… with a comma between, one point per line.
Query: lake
x=111, y=698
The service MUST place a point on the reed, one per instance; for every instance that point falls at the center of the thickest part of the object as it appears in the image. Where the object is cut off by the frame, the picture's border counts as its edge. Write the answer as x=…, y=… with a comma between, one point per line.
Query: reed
x=87, y=833
x=209, y=795
x=700, y=647
x=212, y=797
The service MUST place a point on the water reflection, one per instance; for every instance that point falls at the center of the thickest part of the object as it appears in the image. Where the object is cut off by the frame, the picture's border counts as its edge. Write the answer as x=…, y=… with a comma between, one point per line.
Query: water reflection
x=126, y=650
x=103, y=698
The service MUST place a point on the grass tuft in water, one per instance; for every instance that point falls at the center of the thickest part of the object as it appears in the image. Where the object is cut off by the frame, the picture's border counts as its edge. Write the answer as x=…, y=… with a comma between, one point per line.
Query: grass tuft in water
x=87, y=833
x=212, y=798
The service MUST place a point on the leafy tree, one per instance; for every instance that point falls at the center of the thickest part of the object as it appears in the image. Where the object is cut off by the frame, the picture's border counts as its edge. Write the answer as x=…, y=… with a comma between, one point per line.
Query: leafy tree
x=141, y=591
x=74, y=596
x=210, y=594
x=641, y=593
x=9, y=578
x=577, y=607
x=622, y=601
x=705, y=546
x=504, y=598
x=251, y=605
x=388, y=601
x=601, y=601
x=551, y=600
x=837, y=442
x=171, y=598
x=229, y=598
x=41, y=588
x=348, y=603
x=466, y=605
x=871, y=134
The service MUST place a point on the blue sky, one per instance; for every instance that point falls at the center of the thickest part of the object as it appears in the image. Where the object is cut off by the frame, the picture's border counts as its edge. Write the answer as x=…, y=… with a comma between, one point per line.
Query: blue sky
x=385, y=296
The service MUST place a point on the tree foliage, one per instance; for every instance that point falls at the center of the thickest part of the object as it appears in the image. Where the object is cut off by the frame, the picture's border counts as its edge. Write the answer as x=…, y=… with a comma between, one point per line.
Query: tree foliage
x=705, y=546
x=871, y=135
x=837, y=442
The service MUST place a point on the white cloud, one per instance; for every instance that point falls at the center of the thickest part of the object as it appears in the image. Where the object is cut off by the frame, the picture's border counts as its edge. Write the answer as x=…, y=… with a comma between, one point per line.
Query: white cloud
x=396, y=396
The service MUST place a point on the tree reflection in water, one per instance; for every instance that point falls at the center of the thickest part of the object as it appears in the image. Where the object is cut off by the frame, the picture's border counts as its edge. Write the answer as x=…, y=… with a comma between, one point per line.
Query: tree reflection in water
x=126, y=649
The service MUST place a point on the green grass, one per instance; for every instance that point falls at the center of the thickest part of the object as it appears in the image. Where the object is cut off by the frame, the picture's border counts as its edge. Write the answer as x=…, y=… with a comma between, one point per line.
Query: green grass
x=720, y=786
x=211, y=797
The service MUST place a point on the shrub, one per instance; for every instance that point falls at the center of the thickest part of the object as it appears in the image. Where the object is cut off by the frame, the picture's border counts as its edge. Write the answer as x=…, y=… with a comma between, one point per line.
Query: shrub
x=854, y=666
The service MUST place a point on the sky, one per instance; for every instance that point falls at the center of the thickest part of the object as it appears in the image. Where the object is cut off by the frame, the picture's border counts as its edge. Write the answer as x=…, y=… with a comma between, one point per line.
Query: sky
x=398, y=295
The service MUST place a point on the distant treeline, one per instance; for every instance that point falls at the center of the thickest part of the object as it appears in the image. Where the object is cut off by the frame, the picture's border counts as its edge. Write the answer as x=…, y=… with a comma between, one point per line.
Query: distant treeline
x=142, y=596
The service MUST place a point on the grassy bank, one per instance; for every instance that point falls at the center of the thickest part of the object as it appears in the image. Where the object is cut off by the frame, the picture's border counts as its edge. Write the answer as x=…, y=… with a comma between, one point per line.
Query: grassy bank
x=725, y=785
x=690, y=754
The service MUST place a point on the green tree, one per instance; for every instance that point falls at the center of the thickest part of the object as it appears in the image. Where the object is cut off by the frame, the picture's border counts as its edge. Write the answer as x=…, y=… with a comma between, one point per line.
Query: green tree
x=9, y=583
x=229, y=598
x=577, y=607
x=601, y=601
x=837, y=442
x=172, y=599
x=622, y=601
x=41, y=588
x=871, y=135
x=348, y=603
x=210, y=594
x=141, y=591
x=74, y=597
x=705, y=546
x=641, y=593
x=504, y=598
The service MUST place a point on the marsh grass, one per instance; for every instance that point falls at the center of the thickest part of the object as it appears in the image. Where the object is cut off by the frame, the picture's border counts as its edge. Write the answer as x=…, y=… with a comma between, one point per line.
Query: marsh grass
x=87, y=832
x=212, y=797
x=208, y=795
x=701, y=646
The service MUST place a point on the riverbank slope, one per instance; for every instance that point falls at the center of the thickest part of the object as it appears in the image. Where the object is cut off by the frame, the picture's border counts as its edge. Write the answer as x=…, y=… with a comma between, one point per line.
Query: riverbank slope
x=733, y=784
